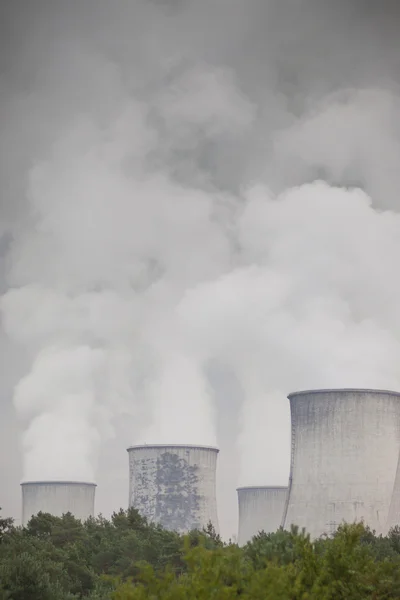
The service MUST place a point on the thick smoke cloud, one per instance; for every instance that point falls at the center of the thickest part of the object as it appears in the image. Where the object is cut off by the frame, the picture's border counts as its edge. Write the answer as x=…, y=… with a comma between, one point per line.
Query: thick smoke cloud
x=200, y=215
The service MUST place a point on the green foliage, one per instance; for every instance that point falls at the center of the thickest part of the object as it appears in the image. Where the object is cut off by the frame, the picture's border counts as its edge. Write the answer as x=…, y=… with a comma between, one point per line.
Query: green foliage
x=282, y=547
x=127, y=558
x=280, y=566
x=6, y=525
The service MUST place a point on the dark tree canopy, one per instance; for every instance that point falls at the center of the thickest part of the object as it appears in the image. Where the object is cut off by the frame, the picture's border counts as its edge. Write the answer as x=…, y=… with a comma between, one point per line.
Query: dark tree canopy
x=128, y=558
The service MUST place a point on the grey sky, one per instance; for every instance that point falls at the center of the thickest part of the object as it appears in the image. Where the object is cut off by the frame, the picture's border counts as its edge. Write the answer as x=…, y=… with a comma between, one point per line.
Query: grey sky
x=143, y=146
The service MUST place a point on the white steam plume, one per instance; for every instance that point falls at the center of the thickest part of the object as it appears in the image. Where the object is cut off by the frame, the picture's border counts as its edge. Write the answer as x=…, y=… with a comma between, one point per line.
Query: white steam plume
x=108, y=252
x=314, y=304
x=201, y=214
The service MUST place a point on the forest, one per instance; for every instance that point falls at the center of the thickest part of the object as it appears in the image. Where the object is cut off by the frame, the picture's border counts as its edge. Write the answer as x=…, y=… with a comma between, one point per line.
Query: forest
x=126, y=558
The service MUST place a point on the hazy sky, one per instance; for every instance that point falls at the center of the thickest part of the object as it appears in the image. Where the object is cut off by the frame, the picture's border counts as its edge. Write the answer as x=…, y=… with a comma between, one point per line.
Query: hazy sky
x=199, y=215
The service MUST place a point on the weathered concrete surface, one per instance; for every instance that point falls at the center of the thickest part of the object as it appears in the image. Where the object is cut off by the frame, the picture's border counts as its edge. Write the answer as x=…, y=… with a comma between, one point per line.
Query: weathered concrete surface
x=345, y=448
x=57, y=498
x=174, y=485
x=260, y=509
x=394, y=511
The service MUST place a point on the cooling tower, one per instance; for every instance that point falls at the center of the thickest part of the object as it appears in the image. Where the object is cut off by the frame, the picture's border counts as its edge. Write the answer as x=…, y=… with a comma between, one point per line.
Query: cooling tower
x=394, y=511
x=174, y=486
x=260, y=509
x=345, y=447
x=57, y=498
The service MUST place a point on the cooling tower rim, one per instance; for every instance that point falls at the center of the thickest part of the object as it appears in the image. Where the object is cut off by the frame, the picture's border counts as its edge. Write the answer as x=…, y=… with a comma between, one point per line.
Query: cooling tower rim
x=58, y=482
x=261, y=487
x=171, y=446
x=343, y=390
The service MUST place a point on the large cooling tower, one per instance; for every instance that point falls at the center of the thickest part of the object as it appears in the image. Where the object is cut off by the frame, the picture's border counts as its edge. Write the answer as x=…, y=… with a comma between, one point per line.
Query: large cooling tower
x=174, y=486
x=57, y=498
x=345, y=447
x=394, y=511
x=260, y=509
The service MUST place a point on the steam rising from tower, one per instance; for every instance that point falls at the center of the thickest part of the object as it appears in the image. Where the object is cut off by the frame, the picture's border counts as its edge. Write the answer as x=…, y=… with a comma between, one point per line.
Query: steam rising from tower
x=200, y=202
x=174, y=486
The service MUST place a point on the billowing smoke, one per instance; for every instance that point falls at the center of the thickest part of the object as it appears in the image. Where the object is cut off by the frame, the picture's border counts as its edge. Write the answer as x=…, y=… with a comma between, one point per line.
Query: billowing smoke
x=200, y=216
x=109, y=249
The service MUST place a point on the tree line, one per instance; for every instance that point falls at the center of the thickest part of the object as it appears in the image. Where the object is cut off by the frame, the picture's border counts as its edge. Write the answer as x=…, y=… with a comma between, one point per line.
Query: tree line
x=127, y=558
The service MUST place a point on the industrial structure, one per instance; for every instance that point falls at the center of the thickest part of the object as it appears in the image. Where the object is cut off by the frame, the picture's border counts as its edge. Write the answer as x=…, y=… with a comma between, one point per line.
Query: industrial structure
x=57, y=498
x=344, y=454
x=174, y=485
x=394, y=511
x=260, y=509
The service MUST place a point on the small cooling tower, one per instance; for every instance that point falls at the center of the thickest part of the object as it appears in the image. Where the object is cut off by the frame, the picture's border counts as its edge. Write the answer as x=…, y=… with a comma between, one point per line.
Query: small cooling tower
x=57, y=498
x=345, y=448
x=260, y=509
x=174, y=486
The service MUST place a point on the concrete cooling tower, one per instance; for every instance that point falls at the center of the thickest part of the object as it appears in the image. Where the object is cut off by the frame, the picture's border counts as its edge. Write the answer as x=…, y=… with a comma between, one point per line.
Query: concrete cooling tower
x=260, y=509
x=345, y=448
x=57, y=498
x=174, y=486
x=394, y=511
